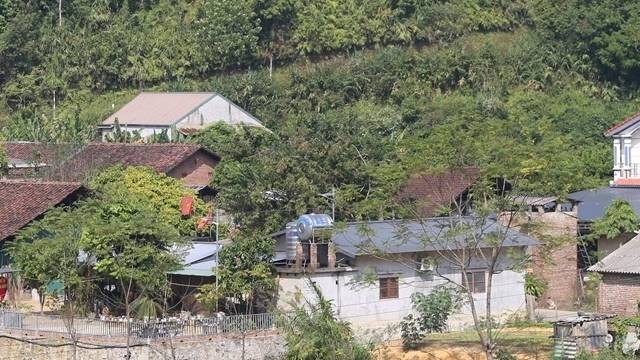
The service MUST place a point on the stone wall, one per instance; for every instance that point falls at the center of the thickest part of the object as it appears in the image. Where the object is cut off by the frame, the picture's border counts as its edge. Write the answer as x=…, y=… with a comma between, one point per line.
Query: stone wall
x=619, y=294
x=257, y=347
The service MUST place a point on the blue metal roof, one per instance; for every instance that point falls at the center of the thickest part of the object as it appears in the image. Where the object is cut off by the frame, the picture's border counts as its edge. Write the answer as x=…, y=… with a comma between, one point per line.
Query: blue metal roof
x=199, y=260
x=407, y=236
x=593, y=203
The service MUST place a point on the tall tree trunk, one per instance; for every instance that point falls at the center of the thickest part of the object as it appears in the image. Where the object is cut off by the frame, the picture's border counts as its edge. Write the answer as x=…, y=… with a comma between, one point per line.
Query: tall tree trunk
x=59, y=13
x=127, y=311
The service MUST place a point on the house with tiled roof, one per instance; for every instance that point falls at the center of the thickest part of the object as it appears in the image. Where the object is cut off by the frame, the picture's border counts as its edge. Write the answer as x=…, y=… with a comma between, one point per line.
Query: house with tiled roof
x=619, y=288
x=626, y=151
x=26, y=200
x=593, y=203
x=190, y=162
x=439, y=192
x=27, y=159
x=177, y=114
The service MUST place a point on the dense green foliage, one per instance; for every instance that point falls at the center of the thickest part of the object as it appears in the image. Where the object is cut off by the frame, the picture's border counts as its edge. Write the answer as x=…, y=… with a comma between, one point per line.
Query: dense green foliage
x=618, y=219
x=115, y=237
x=363, y=92
x=161, y=192
x=245, y=273
x=314, y=333
x=433, y=311
x=48, y=251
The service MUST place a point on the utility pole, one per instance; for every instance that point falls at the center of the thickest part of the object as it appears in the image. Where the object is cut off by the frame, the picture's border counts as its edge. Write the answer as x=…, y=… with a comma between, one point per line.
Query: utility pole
x=59, y=13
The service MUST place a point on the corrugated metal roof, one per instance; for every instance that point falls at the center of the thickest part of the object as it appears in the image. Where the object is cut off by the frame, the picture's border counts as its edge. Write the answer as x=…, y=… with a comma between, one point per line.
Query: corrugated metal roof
x=534, y=200
x=624, y=260
x=199, y=260
x=594, y=203
x=402, y=236
x=158, y=108
x=200, y=251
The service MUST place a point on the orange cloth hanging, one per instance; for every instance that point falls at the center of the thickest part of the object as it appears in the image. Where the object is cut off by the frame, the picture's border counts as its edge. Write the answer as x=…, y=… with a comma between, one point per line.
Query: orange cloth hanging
x=186, y=206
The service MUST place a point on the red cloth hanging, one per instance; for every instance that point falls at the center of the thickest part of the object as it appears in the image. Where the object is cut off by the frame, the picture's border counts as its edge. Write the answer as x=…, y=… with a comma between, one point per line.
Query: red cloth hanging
x=3, y=287
x=186, y=205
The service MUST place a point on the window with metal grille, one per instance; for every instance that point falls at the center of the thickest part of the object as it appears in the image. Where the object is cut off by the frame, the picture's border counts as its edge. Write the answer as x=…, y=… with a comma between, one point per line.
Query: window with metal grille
x=477, y=281
x=389, y=288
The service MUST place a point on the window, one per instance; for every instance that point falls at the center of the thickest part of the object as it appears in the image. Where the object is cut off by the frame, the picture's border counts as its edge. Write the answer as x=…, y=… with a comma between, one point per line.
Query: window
x=627, y=155
x=476, y=281
x=616, y=157
x=389, y=288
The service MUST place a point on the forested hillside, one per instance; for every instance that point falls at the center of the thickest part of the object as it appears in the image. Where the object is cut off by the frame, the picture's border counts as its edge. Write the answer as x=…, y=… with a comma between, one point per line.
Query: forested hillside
x=358, y=93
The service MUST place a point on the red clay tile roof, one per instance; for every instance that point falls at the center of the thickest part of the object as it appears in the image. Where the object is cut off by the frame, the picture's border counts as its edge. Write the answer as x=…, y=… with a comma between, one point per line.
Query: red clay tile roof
x=433, y=191
x=32, y=151
x=623, y=124
x=25, y=157
x=22, y=201
x=96, y=156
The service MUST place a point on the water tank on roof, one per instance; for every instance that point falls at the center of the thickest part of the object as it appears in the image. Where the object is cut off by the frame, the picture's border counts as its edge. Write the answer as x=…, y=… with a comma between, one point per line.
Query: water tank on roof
x=309, y=224
x=292, y=239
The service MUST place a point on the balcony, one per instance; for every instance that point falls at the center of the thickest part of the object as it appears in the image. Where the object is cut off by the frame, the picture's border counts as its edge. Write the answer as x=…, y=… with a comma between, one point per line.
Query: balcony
x=627, y=175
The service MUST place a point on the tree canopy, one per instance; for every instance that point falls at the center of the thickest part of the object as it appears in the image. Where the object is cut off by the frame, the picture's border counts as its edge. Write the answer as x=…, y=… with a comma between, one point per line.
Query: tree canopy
x=121, y=235
x=362, y=93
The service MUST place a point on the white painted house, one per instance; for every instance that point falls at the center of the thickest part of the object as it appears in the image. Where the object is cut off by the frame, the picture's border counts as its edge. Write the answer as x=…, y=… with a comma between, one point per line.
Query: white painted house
x=177, y=113
x=626, y=151
x=370, y=290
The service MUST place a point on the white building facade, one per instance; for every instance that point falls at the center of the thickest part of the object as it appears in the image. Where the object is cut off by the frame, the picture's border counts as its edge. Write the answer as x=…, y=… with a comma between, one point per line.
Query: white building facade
x=177, y=114
x=626, y=151
x=373, y=291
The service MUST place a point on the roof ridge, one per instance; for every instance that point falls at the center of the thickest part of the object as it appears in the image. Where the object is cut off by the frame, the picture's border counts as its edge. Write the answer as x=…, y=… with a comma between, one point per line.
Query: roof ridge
x=178, y=92
x=40, y=182
x=143, y=144
x=621, y=123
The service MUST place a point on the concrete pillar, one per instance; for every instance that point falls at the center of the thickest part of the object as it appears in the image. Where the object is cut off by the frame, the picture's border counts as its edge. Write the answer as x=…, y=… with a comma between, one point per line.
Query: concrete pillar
x=313, y=257
x=298, y=262
x=331, y=256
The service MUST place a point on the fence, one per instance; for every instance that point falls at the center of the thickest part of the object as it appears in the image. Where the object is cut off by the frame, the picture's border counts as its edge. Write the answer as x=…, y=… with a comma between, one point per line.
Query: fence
x=14, y=320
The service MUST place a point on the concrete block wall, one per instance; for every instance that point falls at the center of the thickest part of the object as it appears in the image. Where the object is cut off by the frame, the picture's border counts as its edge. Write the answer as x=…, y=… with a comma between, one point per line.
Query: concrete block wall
x=619, y=294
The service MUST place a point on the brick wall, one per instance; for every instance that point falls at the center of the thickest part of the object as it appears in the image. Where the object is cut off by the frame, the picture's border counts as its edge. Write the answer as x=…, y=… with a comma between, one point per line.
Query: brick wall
x=559, y=269
x=619, y=294
x=195, y=170
x=557, y=264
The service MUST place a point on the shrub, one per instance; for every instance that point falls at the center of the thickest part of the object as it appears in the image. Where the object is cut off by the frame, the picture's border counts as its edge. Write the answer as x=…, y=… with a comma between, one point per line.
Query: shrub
x=433, y=311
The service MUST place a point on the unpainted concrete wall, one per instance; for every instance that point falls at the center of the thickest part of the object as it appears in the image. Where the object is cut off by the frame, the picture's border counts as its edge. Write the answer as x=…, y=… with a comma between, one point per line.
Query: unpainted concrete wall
x=256, y=348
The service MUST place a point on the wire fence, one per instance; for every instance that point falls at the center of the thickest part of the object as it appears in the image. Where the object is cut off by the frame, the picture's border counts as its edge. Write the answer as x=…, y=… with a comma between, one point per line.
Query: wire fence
x=14, y=320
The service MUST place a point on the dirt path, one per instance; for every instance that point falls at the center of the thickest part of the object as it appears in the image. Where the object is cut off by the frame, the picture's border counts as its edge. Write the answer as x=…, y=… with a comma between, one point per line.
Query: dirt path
x=468, y=350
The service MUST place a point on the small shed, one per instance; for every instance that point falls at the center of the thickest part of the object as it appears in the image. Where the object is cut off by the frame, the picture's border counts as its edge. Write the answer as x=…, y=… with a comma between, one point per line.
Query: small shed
x=584, y=332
